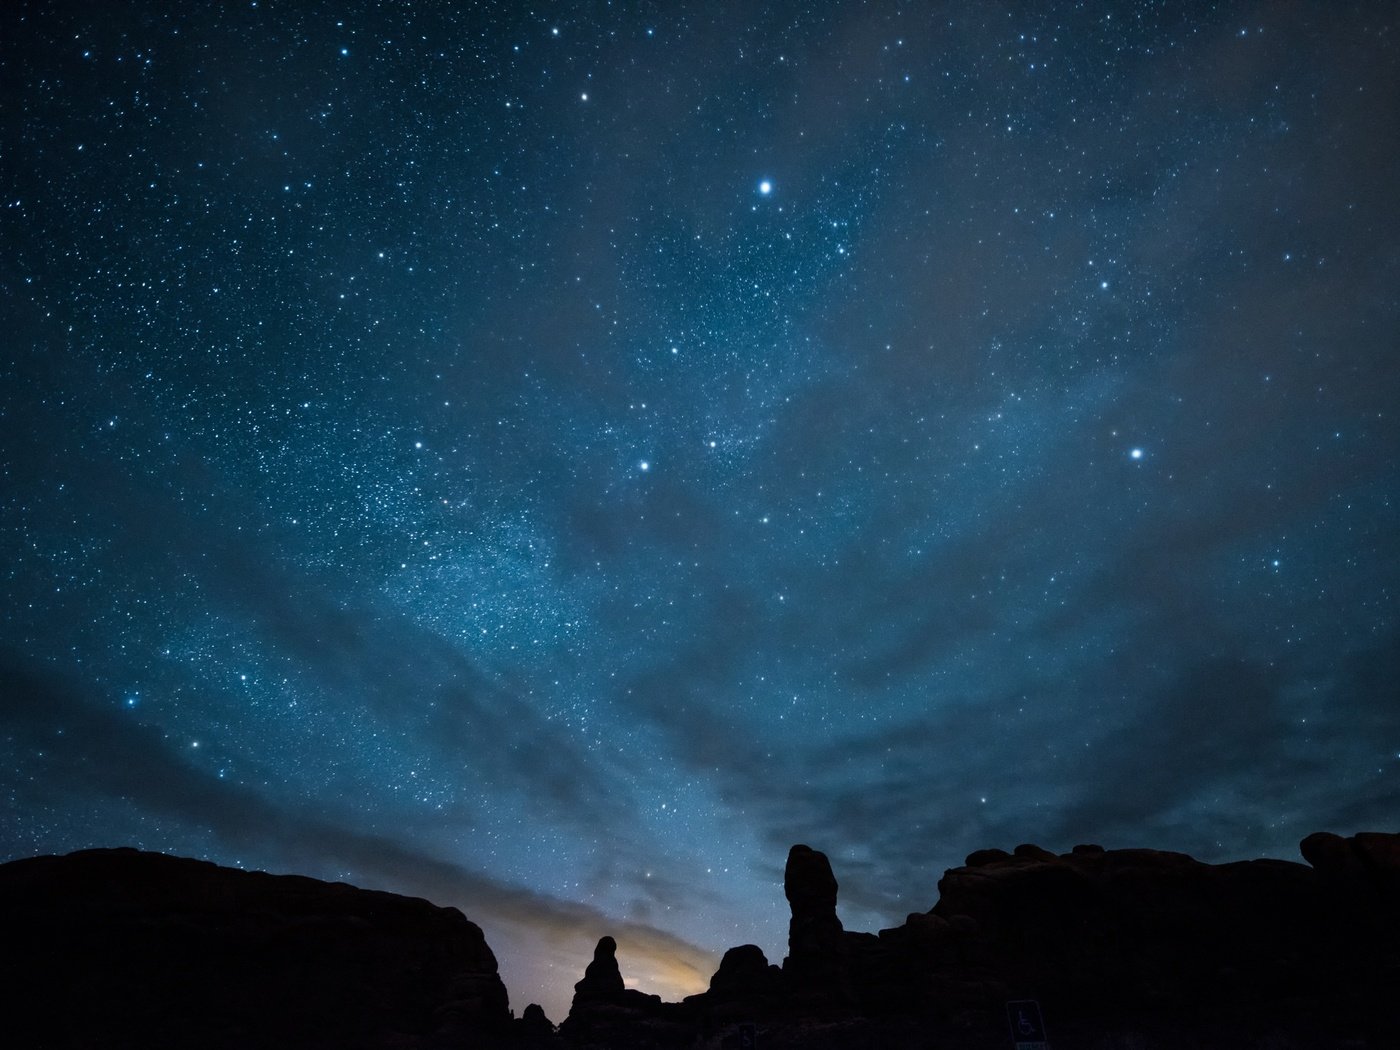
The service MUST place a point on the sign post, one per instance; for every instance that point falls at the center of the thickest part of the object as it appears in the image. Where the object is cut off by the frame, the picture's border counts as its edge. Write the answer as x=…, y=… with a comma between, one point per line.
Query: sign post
x=1027, y=1026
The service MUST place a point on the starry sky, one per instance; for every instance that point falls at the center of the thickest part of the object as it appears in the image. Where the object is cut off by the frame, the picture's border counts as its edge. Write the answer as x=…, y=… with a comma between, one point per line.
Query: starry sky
x=552, y=460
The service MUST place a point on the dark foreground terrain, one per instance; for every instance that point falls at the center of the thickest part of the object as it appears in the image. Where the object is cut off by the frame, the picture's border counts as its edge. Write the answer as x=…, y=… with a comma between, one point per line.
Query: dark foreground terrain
x=1135, y=949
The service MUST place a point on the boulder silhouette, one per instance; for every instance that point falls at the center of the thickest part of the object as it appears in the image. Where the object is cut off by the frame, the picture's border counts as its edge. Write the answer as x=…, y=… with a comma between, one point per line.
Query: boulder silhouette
x=534, y=1029
x=745, y=972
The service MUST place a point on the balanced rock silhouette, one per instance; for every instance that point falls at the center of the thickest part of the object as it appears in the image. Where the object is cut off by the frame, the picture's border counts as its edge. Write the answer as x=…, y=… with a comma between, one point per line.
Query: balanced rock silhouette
x=602, y=980
x=816, y=942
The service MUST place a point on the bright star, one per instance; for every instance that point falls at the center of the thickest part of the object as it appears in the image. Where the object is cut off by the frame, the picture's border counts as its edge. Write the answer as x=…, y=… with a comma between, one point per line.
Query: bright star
x=644, y=465
x=1136, y=453
x=765, y=187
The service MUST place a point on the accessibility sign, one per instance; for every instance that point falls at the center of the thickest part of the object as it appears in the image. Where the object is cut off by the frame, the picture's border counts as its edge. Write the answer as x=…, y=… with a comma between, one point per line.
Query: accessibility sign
x=1027, y=1026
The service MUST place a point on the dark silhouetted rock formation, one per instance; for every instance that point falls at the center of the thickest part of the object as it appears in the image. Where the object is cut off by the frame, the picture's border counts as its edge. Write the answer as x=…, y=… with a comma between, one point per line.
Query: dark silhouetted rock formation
x=979, y=857
x=1135, y=947
x=118, y=948
x=745, y=972
x=1122, y=948
x=1366, y=865
x=534, y=1029
x=605, y=1013
x=816, y=942
x=745, y=986
x=602, y=981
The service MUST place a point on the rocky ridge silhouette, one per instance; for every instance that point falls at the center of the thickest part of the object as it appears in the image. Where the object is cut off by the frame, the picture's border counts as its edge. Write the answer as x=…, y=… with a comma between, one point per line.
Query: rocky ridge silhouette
x=1121, y=948
x=117, y=948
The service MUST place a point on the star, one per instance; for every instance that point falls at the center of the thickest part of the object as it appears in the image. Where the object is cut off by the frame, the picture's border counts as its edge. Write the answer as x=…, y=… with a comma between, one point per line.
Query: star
x=765, y=187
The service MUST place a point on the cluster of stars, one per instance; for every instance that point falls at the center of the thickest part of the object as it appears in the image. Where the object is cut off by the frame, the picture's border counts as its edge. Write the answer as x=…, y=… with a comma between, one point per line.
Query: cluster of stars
x=587, y=496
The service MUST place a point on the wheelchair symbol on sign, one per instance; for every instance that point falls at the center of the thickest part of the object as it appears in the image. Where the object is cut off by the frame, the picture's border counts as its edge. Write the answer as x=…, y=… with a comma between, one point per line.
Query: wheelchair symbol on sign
x=1024, y=1025
x=1027, y=1027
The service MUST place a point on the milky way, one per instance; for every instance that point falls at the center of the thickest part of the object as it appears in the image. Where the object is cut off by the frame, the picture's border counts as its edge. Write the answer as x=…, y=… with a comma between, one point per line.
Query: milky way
x=551, y=463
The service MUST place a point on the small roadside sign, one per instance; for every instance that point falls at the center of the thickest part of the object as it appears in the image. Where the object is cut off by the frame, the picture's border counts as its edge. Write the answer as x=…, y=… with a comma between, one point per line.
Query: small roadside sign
x=1027, y=1026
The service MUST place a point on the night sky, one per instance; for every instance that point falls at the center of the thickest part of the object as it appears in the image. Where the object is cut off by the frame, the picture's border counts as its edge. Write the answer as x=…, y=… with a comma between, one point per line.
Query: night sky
x=552, y=461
